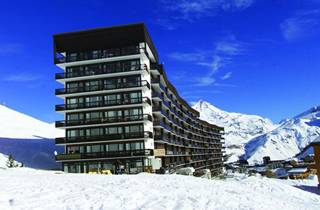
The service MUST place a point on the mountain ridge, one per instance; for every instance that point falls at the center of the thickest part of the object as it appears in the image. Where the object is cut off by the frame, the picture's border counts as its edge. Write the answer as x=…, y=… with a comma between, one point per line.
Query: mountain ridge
x=239, y=128
x=252, y=137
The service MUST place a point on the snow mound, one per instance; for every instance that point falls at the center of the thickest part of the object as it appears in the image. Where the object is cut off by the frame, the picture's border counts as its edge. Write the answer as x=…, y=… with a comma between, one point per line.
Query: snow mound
x=30, y=189
x=239, y=128
x=289, y=139
x=17, y=125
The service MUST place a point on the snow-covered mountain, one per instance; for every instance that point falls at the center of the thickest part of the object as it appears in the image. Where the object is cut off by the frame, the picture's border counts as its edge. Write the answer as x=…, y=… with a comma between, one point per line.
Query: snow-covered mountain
x=288, y=139
x=239, y=128
x=17, y=125
x=28, y=140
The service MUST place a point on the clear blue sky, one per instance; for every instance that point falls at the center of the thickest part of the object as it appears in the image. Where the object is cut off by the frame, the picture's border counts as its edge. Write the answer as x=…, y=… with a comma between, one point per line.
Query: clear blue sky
x=252, y=56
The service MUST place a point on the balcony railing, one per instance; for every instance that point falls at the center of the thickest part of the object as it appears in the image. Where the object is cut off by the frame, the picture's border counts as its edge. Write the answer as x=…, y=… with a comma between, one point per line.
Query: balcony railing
x=118, y=102
x=161, y=123
x=97, y=54
x=91, y=72
x=64, y=123
x=106, y=137
x=91, y=88
x=110, y=154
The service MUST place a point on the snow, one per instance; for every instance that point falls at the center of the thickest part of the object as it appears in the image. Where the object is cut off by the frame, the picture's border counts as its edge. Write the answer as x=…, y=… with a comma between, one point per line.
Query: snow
x=298, y=170
x=17, y=125
x=3, y=159
x=239, y=128
x=252, y=137
x=35, y=189
x=28, y=140
x=286, y=141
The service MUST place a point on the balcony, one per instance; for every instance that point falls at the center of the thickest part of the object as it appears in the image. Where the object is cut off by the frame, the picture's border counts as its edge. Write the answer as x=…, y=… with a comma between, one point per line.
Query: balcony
x=107, y=137
x=97, y=54
x=162, y=124
x=95, y=155
x=96, y=104
x=92, y=88
x=92, y=72
x=65, y=123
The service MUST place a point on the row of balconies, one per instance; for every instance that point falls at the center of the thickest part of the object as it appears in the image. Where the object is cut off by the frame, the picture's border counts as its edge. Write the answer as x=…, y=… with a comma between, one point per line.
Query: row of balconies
x=167, y=105
x=91, y=72
x=161, y=123
x=96, y=104
x=162, y=87
x=97, y=54
x=91, y=88
x=117, y=119
x=105, y=137
x=182, y=143
x=98, y=155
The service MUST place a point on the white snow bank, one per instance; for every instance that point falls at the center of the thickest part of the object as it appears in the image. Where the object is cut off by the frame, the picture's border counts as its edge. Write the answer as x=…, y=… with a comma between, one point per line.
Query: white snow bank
x=35, y=189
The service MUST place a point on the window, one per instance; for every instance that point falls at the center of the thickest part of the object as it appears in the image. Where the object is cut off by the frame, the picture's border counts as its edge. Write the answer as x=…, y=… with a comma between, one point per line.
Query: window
x=112, y=99
x=113, y=130
x=96, y=148
x=95, y=54
x=132, y=81
x=74, y=86
x=133, y=97
x=113, y=147
x=134, y=129
x=111, y=83
x=75, y=133
x=74, y=117
x=72, y=57
x=93, y=100
x=134, y=146
x=133, y=114
x=113, y=115
x=94, y=131
x=92, y=85
x=93, y=115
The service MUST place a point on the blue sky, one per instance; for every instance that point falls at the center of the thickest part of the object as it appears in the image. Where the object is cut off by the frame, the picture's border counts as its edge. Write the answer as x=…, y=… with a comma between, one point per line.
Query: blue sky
x=251, y=56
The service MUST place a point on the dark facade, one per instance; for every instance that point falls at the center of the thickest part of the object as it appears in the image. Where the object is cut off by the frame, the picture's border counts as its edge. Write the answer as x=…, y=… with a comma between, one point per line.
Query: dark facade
x=121, y=112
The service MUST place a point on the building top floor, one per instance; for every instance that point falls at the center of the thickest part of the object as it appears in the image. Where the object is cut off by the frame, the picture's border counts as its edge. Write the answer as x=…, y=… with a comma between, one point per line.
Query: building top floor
x=103, y=38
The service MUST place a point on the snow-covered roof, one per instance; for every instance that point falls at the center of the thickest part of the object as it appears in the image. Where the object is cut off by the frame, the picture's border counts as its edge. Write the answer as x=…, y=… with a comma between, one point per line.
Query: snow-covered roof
x=298, y=170
x=316, y=141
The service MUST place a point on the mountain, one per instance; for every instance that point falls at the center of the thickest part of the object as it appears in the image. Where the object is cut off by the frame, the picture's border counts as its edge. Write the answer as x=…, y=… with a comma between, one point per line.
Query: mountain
x=28, y=140
x=292, y=136
x=239, y=128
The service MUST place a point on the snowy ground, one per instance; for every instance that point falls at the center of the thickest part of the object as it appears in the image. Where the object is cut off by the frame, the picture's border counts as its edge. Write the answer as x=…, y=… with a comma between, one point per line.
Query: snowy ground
x=25, y=189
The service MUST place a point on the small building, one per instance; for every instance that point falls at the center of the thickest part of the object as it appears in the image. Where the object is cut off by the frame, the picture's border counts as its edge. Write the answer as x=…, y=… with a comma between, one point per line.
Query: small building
x=298, y=173
x=316, y=148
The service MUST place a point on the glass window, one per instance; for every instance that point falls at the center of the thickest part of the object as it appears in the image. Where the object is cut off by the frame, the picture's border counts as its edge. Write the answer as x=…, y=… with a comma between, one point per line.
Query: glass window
x=120, y=147
x=114, y=130
x=93, y=131
x=113, y=147
x=132, y=81
x=96, y=148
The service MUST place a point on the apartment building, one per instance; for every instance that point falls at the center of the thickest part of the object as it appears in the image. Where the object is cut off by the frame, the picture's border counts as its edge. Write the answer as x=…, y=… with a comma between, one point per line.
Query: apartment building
x=120, y=111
